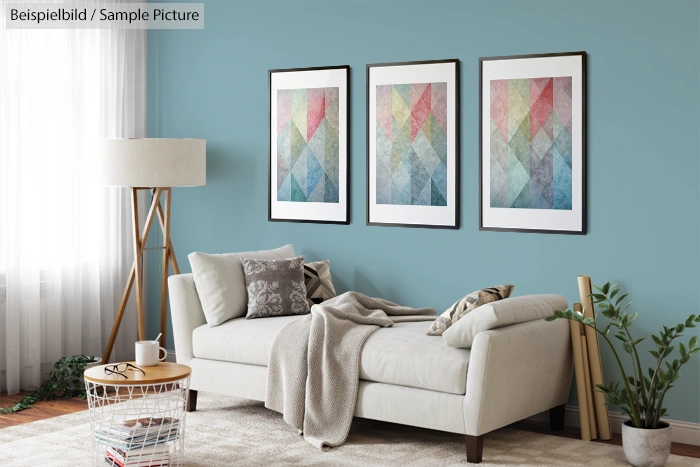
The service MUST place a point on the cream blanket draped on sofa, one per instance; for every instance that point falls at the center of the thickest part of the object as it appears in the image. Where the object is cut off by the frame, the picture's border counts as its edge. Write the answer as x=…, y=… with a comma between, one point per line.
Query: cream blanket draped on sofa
x=314, y=366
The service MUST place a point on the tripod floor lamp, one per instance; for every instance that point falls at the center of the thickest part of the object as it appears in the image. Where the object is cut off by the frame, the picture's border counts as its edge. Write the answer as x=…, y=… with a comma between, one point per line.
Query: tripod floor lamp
x=155, y=165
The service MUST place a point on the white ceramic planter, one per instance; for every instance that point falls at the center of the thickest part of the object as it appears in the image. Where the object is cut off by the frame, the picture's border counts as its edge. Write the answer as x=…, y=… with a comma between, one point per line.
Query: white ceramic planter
x=646, y=447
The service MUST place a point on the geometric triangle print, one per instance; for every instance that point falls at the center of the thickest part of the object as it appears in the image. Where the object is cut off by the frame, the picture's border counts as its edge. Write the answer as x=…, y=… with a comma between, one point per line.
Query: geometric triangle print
x=531, y=168
x=411, y=151
x=308, y=150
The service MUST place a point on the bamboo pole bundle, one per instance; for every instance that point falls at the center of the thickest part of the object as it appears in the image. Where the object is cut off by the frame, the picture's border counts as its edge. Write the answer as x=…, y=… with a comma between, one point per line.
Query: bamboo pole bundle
x=602, y=419
x=580, y=361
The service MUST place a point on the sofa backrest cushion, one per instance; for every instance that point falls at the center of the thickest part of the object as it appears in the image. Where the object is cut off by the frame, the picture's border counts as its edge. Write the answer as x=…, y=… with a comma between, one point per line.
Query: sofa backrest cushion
x=501, y=313
x=221, y=284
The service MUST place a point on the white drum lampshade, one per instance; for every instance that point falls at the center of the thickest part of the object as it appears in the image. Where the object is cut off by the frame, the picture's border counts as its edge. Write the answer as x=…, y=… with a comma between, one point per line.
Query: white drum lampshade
x=154, y=162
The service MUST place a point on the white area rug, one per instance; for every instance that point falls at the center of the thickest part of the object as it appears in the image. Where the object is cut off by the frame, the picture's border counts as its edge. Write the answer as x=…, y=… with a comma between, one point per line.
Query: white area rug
x=225, y=431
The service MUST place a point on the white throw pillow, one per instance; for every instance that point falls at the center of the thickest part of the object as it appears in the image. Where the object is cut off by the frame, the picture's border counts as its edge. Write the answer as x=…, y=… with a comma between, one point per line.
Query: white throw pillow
x=220, y=281
x=501, y=313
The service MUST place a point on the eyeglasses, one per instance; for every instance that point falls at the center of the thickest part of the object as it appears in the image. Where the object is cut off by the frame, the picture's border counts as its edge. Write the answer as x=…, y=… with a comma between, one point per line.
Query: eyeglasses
x=121, y=368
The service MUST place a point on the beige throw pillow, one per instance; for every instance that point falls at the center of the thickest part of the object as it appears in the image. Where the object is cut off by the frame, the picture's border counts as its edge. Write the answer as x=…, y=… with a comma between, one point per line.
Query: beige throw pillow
x=502, y=313
x=467, y=304
x=220, y=281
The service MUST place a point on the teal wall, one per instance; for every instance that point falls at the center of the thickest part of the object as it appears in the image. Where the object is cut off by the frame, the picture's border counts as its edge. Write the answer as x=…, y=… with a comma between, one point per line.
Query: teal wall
x=643, y=135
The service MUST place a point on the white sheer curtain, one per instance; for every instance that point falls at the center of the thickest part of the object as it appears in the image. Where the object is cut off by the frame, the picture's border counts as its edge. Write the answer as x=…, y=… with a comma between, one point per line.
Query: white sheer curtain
x=65, y=243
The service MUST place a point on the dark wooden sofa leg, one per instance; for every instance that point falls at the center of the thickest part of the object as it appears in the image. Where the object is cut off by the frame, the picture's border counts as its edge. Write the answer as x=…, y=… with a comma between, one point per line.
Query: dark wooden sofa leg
x=191, y=401
x=556, y=417
x=475, y=447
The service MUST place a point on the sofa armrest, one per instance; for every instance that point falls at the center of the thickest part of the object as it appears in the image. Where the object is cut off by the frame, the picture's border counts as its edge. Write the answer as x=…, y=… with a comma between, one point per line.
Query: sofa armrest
x=187, y=314
x=515, y=372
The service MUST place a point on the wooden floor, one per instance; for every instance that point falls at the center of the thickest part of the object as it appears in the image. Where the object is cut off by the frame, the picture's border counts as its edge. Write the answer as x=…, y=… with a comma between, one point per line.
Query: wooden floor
x=39, y=411
x=50, y=409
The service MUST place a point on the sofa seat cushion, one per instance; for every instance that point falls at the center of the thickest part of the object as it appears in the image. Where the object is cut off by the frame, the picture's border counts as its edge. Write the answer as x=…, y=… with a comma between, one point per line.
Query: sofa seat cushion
x=402, y=354
x=239, y=340
x=405, y=355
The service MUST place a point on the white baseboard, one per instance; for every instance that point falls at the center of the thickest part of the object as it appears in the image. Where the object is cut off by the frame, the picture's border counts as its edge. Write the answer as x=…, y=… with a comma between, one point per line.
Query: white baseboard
x=681, y=432
x=171, y=357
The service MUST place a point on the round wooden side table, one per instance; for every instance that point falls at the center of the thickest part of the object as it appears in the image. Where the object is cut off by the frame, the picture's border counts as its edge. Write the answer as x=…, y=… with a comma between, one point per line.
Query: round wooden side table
x=138, y=418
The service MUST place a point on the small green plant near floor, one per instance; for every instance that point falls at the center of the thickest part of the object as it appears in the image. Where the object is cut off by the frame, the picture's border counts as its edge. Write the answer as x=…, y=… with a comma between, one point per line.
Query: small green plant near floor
x=60, y=382
x=642, y=396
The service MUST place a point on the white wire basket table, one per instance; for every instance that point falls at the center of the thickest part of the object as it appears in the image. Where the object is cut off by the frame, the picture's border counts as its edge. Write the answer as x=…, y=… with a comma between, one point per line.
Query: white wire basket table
x=138, y=420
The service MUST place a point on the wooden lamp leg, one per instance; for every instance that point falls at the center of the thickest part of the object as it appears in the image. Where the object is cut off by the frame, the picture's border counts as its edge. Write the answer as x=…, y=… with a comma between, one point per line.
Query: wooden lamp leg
x=138, y=266
x=164, y=273
x=132, y=274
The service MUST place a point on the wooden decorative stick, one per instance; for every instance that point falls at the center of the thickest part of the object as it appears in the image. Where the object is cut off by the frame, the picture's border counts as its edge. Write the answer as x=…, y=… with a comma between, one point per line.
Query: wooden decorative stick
x=601, y=410
x=576, y=331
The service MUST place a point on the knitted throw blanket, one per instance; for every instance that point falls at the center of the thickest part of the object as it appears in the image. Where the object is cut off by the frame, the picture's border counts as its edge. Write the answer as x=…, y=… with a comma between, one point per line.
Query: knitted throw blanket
x=314, y=366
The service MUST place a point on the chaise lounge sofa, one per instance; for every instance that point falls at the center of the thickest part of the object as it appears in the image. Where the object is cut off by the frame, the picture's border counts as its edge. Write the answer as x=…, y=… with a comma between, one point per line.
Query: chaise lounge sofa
x=406, y=376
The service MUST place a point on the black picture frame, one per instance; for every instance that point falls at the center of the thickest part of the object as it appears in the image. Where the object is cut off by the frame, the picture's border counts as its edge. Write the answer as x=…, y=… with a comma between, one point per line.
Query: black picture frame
x=457, y=205
x=272, y=151
x=584, y=156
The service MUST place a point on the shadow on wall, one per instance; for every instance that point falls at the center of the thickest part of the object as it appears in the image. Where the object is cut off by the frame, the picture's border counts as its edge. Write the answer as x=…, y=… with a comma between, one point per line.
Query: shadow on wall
x=366, y=285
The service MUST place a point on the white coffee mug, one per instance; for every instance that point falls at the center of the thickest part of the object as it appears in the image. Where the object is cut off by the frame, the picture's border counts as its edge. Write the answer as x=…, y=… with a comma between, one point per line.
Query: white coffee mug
x=148, y=353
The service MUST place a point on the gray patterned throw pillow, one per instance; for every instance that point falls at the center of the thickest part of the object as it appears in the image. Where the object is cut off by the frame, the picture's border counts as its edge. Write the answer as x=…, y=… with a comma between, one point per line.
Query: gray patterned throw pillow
x=275, y=287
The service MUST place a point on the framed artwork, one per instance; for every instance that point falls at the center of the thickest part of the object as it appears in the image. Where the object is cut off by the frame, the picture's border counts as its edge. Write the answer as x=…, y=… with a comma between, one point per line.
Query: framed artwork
x=532, y=143
x=413, y=144
x=308, y=175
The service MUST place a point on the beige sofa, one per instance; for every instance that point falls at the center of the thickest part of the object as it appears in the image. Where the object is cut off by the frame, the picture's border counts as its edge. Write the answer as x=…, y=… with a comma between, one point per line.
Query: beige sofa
x=406, y=376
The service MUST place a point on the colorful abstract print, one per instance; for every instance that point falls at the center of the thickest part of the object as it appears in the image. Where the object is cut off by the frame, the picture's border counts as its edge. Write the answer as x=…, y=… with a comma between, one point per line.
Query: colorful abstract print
x=307, y=145
x=411, y=151
x=531, y=143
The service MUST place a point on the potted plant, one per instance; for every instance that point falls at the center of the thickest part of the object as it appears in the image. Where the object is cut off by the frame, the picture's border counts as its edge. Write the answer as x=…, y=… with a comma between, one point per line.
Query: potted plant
x=65, y=379
x=645, y=438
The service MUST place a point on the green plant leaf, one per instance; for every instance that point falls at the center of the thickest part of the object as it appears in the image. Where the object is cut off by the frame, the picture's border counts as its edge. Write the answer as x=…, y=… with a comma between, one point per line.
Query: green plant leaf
x=693, y=342
x=681, y=349
x=668, y=351
x=620, y=298
x=654, y=354
x=606, y=288
x=610, y=314
x=694, y=351
x=607, y=329
x=614, y=292
x=550, y=318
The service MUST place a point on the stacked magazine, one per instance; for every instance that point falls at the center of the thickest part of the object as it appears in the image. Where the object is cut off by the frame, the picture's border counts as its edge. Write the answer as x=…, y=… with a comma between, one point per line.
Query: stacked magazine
x=138, y=442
